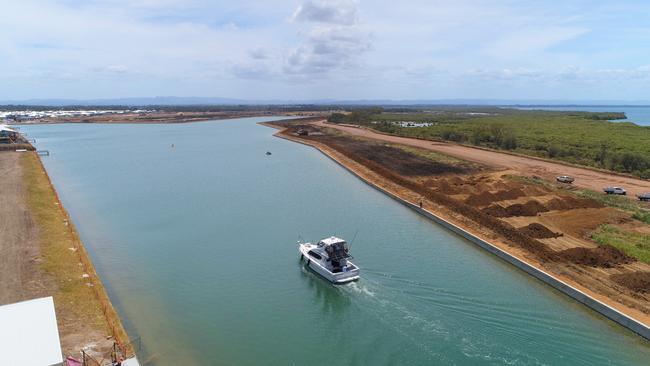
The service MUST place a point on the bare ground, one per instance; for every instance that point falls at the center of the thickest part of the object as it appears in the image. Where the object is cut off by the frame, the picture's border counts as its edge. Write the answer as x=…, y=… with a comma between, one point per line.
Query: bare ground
x=584, y=177
x=20, y=276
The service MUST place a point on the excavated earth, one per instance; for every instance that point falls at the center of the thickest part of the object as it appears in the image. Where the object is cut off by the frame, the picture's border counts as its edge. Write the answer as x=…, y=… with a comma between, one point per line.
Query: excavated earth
x=635, y=281
x=550, y=224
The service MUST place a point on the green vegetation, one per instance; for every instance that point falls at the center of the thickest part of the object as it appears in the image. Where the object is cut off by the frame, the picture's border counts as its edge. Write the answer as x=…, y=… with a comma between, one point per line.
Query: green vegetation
x=636, y=208
x=582, y=138
x=633, y=244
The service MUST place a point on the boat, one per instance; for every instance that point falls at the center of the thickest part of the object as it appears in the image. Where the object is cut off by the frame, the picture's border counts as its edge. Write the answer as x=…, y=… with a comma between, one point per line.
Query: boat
x=268, y=153
x=330, y=258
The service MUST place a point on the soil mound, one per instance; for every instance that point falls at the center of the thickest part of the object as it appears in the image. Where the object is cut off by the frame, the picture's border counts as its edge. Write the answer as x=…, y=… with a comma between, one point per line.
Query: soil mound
x=604, y=256
x=534, y=190
x=481, y=199
x=530, y=208
x=539, y=231
x=635, y=281
x=571, y=203
x=443, y=186
x=456, y=180
x=495, y=211
x=558, y=204
x=587, y=203
x=511, y=194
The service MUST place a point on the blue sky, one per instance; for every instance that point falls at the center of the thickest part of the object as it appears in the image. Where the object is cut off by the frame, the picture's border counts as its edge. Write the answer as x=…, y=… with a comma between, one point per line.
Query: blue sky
x=340, y=49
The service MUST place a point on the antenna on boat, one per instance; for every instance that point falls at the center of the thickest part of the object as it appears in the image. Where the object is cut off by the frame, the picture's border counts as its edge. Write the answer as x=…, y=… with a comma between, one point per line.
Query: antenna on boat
x=355, y=236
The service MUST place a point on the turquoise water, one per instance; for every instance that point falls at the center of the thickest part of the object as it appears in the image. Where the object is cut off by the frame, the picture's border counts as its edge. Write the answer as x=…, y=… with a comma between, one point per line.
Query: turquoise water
x=639, y=115
x=196, y=246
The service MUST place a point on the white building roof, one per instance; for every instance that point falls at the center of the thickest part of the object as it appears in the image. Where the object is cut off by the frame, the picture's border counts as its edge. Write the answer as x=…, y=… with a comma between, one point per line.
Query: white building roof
x=29, y=334
x=7, y=128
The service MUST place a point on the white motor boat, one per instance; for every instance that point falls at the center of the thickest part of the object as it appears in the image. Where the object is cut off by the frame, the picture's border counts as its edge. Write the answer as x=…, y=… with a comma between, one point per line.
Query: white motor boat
x=330, y=259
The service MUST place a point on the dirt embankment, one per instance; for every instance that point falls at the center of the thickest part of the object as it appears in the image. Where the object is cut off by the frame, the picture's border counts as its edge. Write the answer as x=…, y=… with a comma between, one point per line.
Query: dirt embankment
x=548, y=226
x=41, y=255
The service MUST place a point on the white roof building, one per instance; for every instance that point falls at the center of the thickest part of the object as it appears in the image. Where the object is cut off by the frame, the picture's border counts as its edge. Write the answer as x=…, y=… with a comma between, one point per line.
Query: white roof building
x=29, y=334
x=7, y=128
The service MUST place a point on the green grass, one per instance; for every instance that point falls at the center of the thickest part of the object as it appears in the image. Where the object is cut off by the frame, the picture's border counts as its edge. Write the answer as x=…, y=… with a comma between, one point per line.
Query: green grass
x=576, y=137
x=633, y=244
x=72, y=296
x=632, y=206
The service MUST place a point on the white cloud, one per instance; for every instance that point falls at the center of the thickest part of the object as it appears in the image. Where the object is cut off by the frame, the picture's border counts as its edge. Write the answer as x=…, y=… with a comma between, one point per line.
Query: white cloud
x=344, y=48
x=333, y=43
x=330, y=12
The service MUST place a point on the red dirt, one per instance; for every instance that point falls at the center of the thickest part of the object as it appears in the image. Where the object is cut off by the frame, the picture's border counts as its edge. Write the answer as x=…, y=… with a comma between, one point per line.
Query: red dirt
x=530, y=208
x=558, y=204
x=539, y=231
x=604, y=256
x=495, y=211
x=481, y=199
x=445, y=187
x=511, y=194
x=635, y=281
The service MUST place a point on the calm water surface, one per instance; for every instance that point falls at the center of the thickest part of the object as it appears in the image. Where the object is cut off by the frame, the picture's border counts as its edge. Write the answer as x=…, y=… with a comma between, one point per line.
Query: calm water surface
x=196, y=246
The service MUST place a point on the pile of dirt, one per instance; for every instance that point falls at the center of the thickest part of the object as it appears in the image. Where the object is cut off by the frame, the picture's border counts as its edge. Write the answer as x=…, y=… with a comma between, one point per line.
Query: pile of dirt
x=456, y=181
x=558, y=204
x=444, y=186
x=511, y=194
x=586, y=203
x=571, y=203
x=481, y=199
x=495, y=211
x=372, y=157
x=481, y=187
x=531, y=190
x=530, y=208
x=635, y=281
x=604, y=256
x=539, y=231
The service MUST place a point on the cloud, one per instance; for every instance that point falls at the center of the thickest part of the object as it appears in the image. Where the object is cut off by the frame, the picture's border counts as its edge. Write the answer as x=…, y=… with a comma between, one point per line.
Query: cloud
x=328, y=49
x=333, y=42
x=259, y=54
x=330, y=12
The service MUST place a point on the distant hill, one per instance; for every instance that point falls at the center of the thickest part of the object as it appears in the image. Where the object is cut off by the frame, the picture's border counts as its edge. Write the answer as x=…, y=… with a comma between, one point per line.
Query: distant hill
x=178, y=101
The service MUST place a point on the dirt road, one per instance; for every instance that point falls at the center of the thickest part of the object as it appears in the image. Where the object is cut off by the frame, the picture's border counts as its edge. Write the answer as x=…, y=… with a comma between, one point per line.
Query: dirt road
x=20, y=276
x=584, y=178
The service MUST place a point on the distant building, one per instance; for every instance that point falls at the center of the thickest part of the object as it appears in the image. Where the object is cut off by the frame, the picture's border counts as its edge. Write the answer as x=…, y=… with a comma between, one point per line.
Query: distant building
x=8, y=134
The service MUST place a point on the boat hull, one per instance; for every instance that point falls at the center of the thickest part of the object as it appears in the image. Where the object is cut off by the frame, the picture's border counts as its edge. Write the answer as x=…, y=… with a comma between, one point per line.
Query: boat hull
x=336, y=278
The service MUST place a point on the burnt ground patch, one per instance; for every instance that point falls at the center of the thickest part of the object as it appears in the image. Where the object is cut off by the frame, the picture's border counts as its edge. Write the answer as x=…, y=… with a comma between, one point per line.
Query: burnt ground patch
x=388, y=156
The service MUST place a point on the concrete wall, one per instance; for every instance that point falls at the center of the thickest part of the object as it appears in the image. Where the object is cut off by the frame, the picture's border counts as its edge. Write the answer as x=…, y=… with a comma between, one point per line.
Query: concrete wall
x=604, y=309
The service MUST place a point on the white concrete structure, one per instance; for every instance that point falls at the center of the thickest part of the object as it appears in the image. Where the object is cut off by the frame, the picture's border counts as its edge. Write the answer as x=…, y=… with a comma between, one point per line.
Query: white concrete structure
x=29, y=334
